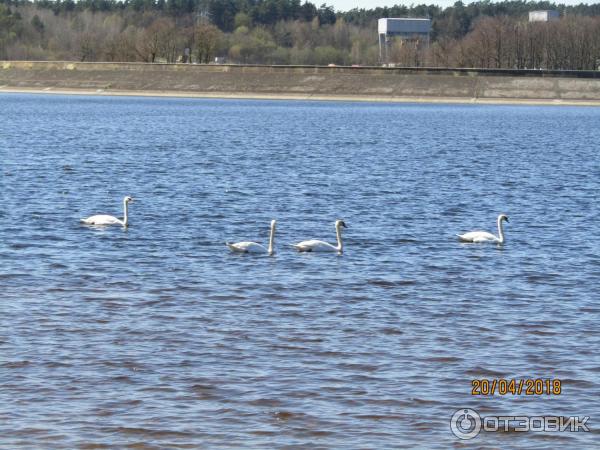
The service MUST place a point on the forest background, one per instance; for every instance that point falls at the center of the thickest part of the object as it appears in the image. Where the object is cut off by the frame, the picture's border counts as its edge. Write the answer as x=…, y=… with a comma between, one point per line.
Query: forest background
x=481, y=34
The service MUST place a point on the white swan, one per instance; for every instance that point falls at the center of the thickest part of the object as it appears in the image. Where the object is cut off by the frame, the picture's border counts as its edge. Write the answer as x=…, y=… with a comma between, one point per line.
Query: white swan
x=314, y=245
x=253, y=247
x=484, y=236
x=103, y=219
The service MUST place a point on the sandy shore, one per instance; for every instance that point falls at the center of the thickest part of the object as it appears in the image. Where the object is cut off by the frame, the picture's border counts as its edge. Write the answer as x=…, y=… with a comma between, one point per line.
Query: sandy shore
x=290, y=96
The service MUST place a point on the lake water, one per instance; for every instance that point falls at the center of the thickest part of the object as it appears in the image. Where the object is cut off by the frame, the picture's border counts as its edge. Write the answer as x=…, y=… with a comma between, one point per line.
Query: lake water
x=157, y=336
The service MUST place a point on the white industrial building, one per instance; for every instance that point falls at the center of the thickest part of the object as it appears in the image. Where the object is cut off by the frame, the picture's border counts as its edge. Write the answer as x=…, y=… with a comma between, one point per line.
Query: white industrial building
x=406, y=29
x=543, y=16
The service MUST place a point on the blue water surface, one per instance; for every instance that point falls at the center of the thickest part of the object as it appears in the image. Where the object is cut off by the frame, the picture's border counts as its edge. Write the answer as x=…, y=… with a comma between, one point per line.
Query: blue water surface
x=156, y=335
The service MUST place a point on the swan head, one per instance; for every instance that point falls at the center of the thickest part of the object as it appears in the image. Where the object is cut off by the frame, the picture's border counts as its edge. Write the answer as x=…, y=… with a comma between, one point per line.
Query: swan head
x=340, y=223
x=273, y=223
x=502, y=217
x=128, y=199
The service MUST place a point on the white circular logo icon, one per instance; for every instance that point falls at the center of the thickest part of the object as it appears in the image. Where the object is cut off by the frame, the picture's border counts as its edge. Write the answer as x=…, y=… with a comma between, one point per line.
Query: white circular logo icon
x=465, y=423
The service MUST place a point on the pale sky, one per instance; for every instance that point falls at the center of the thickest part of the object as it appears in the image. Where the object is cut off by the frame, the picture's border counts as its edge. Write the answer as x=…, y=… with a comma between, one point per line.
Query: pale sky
x=346, y=5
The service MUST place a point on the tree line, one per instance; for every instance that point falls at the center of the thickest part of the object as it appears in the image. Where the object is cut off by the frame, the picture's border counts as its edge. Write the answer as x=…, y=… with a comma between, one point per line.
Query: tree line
x=480, y=34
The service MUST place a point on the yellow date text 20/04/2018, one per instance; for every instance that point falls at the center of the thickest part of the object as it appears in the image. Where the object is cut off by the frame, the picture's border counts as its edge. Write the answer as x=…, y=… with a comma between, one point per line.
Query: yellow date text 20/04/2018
x=524, y=386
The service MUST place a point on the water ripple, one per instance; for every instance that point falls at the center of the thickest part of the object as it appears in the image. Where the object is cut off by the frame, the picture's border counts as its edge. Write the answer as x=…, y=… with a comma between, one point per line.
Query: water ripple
x=157, y=337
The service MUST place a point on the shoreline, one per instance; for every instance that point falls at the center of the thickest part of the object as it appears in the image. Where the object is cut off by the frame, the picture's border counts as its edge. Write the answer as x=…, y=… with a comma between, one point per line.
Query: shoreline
x=298, y=97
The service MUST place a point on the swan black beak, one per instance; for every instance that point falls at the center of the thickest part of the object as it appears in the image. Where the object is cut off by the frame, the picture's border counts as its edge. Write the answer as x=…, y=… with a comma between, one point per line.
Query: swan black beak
x=507, y=219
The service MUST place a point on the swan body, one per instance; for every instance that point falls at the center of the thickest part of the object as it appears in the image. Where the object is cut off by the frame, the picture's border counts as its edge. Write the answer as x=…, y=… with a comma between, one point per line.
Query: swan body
x=314, y=245
x=253, y=247
x=484, y=236
x=105, y=219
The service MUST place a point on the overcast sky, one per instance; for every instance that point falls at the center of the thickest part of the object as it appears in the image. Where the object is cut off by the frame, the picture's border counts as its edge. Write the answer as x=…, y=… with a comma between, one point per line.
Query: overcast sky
x=346, y=5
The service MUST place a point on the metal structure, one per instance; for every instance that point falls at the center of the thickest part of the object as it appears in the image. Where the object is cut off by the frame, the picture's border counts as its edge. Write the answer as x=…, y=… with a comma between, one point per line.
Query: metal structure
x=544, y=16
x=406, y=29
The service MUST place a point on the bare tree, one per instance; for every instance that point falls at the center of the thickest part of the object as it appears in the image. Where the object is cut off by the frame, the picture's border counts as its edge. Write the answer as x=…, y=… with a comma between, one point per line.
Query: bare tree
x=206, y=39
x=155, y=42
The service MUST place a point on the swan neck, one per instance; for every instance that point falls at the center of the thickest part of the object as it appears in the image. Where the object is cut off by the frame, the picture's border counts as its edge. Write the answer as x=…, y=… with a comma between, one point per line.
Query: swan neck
x=500, y=231
x=125, y=211
x=338, y=233
x=271, y=240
